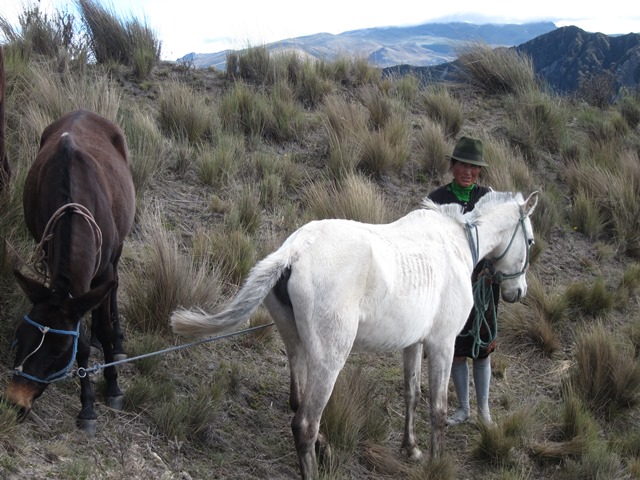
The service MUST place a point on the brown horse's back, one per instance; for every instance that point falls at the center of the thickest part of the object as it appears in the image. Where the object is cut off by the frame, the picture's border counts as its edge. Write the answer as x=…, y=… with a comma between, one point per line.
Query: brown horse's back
x=98, y=174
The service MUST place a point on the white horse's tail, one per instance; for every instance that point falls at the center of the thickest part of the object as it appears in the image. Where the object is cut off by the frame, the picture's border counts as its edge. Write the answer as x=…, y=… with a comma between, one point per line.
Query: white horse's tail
x=262, y=278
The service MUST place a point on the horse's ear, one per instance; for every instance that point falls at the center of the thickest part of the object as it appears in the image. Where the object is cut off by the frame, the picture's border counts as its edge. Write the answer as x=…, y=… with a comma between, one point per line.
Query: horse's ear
x=35, y=291
x=90, y=300
x=530, y=204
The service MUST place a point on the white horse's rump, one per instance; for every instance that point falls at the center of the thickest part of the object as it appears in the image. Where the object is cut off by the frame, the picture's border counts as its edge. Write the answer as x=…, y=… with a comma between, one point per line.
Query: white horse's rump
x=337, y=285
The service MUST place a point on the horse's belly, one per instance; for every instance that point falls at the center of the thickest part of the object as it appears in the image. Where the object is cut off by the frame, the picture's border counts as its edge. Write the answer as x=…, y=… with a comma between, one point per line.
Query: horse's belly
x=391, y=332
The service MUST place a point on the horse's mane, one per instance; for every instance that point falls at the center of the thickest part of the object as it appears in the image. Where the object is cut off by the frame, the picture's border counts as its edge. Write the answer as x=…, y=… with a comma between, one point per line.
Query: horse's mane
x=454, y=211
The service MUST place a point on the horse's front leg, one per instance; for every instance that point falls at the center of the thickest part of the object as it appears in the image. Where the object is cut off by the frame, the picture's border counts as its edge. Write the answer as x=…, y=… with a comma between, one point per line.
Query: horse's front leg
x=412, y=358
x=440, y=358
x=87, y=417
x=113, y=395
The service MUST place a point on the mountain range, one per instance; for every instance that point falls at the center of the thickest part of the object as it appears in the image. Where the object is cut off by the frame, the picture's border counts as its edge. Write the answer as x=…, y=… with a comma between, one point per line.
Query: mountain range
x=560, y=56
x=420, y=45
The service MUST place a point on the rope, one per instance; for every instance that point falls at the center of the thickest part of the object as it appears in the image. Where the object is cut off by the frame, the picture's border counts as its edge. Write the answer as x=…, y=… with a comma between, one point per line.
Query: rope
x=483, y=302
x=82, y=372
x=40, y=263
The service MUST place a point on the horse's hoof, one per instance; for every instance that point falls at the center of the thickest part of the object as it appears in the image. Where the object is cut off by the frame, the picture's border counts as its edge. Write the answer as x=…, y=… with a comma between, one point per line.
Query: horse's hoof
x=119, y=356
x=87, y=426
x=415, y=455
x=117, y=403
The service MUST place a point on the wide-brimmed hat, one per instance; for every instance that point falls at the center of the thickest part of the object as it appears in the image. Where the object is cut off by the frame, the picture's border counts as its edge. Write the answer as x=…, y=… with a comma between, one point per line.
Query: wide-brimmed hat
x=469, y=150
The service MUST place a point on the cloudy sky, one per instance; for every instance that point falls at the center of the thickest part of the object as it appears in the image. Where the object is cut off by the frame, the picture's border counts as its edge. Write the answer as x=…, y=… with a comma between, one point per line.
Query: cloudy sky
x=206, y=26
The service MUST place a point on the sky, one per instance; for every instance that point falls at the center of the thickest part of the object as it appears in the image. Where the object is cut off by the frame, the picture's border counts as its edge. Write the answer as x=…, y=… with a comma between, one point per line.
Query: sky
x=208, y=26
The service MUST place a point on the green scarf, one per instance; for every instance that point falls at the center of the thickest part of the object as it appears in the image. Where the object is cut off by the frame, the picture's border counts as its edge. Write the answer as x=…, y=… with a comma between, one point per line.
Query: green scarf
x=463, y=194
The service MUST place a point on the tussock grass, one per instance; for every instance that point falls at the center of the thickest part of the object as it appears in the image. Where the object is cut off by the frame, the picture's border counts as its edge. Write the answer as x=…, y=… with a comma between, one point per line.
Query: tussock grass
x=218, y=165
x=586, y=216
x=164, y=278
x=142, y=344
x=147, y=150
x=530, y=328
x=352, y=416
x=629, y=107
x=443, y=468
x=548, y=214
x=286, y=119
x=378, y=104
x=508, y=170
x=245, y=214
x=386, y=150
x=431, y=148
x=183, y=114
x=495, y=71
x=121, y=41
x=494, y=445
x=355, y=198
x=440, y=106
x=50, y=95
x=588, y=300
x=233, y=253
x=242, y=110
x=605, y=375
x=406, y=89
x=537, y=123
x=144, y=392
x=189, y=417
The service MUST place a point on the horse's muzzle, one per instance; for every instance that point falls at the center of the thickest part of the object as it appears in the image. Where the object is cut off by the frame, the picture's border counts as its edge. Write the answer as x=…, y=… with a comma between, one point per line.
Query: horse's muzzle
x=513, y=296
x=22, y=394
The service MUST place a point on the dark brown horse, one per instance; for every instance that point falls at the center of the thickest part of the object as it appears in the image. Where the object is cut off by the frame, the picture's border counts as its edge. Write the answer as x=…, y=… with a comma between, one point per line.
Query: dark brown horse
x=79, y=204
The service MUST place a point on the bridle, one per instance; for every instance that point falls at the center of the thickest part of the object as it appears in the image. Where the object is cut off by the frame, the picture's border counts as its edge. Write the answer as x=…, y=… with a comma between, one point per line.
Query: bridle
x=500, y=276
x=474, y=244
x=60, y=374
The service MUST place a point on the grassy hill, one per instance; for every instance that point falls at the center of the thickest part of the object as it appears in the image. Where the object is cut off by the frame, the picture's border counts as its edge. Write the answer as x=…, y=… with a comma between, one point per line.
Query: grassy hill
x=227, y=165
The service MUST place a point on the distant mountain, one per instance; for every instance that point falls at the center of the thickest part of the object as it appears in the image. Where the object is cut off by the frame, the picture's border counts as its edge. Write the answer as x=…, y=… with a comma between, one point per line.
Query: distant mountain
x=562, y=58
x=420, y=45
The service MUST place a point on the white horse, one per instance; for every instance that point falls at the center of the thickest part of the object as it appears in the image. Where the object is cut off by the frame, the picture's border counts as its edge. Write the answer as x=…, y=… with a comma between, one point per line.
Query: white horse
x=337, y=286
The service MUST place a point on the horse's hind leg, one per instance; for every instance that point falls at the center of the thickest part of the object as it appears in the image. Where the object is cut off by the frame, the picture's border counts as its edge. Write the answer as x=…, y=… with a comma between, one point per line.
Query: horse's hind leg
x=117, y=336
x=305, y=425
x=285, y=322
x=412, y=359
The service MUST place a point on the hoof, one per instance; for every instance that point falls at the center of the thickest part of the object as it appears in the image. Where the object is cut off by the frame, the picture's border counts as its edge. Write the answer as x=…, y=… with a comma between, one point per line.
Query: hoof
x=119, y=356
x=87, y=426
x=415, y=455
x=117, y=403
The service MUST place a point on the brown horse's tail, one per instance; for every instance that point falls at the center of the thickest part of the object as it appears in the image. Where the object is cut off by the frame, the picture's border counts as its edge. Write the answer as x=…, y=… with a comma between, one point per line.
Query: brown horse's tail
x=5, y=169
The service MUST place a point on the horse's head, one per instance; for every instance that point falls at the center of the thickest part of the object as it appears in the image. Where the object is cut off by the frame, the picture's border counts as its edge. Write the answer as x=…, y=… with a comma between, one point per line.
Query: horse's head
x=47, y=339
x=511, y=257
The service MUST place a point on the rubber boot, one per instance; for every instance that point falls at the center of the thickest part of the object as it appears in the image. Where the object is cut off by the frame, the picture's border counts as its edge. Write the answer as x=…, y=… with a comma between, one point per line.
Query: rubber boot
x=482, y=380
x=460, y=377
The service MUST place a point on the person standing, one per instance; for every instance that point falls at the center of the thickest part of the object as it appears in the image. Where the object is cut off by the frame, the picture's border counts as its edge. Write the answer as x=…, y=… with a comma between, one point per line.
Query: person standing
x=466, y=163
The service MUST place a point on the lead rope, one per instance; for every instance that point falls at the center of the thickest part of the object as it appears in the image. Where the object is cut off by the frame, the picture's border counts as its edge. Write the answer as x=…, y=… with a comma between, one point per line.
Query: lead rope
x=40, y=262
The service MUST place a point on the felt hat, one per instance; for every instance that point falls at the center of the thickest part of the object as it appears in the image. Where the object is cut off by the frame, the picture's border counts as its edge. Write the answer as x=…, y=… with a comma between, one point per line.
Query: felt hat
x=469, y=150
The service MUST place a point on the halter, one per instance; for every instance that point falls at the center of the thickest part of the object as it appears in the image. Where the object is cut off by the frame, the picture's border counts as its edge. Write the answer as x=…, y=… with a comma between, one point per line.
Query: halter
x=60, y=374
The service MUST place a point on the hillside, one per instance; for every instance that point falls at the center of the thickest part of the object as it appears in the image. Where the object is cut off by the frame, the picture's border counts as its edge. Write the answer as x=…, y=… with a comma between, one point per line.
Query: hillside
x=220, y=410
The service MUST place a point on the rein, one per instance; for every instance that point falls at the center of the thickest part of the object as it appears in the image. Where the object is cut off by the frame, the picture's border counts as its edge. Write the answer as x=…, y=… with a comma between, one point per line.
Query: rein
x=82, y=372
x=483, y=299
x=40, y=264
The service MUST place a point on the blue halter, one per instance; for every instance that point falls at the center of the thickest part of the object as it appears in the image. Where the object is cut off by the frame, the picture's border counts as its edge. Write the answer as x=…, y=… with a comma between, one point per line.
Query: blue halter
x=60, y=374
